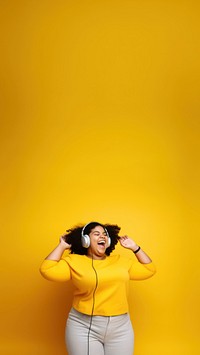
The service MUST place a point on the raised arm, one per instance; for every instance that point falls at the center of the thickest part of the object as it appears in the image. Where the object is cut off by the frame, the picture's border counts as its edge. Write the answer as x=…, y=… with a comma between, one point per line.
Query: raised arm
x=144, y=268
x=54, y=268
x=128, y=243
x=57, y=253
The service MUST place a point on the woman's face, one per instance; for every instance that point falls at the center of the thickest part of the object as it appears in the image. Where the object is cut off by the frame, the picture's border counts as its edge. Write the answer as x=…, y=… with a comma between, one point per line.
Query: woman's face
x=98, y=243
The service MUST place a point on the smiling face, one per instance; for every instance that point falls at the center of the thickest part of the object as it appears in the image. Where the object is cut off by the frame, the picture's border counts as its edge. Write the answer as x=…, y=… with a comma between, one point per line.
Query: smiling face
x=98, y=243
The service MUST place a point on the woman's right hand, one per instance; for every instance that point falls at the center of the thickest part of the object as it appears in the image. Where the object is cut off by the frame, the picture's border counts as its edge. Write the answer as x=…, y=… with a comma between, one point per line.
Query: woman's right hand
x=63, y=243
x=57, y=253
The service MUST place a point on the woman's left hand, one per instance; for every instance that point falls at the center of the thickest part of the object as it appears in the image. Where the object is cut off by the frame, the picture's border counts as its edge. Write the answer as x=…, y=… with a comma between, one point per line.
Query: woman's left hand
x=128, y=243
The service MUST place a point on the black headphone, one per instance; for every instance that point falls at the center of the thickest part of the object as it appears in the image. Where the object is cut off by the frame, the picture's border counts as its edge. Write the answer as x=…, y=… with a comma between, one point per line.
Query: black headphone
x=85, y=239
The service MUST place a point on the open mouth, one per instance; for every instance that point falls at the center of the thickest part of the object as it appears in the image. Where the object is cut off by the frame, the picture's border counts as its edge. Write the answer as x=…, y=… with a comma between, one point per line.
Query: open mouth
x=102, y=243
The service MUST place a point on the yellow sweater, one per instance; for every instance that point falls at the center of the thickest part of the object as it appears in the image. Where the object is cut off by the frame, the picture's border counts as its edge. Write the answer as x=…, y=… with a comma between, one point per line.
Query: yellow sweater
x=102, y=284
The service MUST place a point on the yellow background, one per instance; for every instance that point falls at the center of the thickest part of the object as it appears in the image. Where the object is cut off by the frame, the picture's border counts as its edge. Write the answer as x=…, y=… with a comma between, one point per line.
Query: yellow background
x=100, y=121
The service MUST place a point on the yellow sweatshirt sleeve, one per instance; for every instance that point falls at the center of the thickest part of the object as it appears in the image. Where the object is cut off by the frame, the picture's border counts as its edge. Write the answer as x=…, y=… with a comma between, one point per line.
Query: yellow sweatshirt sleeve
x=55, y=270
x=139, y=271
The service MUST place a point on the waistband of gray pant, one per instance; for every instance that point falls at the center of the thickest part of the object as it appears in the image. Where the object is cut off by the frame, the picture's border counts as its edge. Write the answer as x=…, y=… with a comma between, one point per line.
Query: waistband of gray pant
x=74, y=311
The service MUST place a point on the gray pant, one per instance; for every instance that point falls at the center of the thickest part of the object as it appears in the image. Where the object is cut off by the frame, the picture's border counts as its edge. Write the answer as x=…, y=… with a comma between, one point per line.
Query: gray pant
x=98, y=335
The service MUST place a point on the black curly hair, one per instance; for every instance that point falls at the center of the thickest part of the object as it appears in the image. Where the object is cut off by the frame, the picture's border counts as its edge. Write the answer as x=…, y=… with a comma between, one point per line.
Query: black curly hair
x=73, y=237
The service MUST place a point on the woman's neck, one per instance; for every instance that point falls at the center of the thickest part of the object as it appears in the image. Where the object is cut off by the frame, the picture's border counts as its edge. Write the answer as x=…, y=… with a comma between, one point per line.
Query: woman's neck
x=96, y=257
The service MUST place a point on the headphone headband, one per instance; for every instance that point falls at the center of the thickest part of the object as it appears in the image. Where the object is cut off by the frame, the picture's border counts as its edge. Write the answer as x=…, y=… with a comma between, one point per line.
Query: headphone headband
x=85, y=226
x=83, y=229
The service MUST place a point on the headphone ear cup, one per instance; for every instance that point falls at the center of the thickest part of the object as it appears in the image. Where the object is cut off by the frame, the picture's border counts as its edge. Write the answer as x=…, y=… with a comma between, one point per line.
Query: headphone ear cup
x=85, y=241
x=109, y=242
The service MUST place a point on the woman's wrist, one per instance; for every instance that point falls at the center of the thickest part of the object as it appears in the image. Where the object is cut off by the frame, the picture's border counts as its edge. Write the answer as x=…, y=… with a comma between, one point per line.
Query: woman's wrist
x=62, y=246
x=136, y=248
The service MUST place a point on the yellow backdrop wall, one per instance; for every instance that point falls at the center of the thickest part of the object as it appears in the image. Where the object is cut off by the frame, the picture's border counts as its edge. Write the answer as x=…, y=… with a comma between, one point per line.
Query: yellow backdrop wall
x=100, y=120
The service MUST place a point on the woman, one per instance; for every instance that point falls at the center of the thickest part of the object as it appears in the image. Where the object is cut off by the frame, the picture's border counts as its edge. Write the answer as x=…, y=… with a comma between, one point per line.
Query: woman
x=98, y=323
